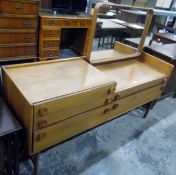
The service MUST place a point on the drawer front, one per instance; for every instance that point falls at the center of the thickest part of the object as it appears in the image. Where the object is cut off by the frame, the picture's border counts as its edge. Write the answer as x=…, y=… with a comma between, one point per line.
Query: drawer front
x=17, y=51
x=50, y=53
x=66, y=23
x=11, y=38
x=51, y=33
x=17, y=7
x=18, y=23
x=66, y=129
x=49, y=44
x=60, y=109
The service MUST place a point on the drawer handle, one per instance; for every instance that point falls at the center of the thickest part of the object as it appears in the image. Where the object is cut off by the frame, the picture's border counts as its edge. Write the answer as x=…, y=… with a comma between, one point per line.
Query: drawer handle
x=42, y=124
x=115, y=106
x=27, y=25
x=50, y=45
x=106, y=111
x=108, y=101
x=52, y=23
x=50, y=33
x=116, y=97
x=43, y=112
x=27, y=39
x=111, y=90
x=18, y=8
x=41, y=137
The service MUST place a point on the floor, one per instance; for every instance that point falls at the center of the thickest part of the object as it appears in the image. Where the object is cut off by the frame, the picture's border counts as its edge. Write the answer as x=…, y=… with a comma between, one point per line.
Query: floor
x=129, y=145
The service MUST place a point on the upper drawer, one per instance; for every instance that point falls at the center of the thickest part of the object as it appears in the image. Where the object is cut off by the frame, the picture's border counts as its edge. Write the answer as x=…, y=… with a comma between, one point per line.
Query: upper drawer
x=17, y=51
x=66, y=23
x=59, y=109
x=11, y=38
x=17, y=23
x=17, y=7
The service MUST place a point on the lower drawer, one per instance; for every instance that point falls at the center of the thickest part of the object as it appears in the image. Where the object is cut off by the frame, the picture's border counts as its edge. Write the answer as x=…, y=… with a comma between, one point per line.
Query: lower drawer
x=50, y=53
x=18, y=23
x=18, y=51
x=66, y=129
x=10, y=38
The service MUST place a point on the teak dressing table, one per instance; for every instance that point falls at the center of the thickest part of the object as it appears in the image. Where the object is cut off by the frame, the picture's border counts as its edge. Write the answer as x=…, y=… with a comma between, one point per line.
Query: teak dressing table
x=63, y=98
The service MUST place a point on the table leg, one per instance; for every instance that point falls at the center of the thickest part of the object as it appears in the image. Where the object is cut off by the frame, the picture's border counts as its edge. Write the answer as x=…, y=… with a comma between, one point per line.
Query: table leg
x=149, y=106
x=35, y=160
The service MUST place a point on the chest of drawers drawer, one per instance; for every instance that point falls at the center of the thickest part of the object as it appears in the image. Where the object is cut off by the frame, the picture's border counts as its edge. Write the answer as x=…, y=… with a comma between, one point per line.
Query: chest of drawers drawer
x=49, y=44
x=18, y=51
x=17, y=23
x=10, y=38
x=18, y=7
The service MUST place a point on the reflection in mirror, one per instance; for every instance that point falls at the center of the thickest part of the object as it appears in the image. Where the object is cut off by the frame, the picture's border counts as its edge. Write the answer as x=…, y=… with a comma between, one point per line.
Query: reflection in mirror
x=115, y=25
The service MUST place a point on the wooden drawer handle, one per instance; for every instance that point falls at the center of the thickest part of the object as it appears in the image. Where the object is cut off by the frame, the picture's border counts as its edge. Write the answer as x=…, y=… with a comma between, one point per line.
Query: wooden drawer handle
x=115, y=106
x=116, y=97
x=52, y=23
x=28, y=39
x=19, y=8
x=107, y=110
x=42, y=124
x=50, y=33
x=43, y=112
x=27, y=25
x=51, y=45
x=108, y=101
x=41, y=137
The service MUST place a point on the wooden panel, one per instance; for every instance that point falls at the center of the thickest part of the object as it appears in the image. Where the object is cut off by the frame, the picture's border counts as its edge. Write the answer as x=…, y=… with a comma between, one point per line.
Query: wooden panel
x=62, y=108
x=45, y=138
x=51, y=33
x=17, y=51
x=157, y=63
x=50, y=53
x=17, y=23
x=51, y=43
x=10, y=38
x=17, y=7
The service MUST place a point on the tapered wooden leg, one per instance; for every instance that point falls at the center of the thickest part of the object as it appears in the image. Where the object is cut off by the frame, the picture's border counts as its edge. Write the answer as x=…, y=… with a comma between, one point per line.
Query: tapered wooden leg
x=35, y=160
x=149, y=106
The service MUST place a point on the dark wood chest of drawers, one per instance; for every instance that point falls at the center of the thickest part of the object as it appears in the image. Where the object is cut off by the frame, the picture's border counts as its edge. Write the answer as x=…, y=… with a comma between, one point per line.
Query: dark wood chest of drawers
x=18, y=29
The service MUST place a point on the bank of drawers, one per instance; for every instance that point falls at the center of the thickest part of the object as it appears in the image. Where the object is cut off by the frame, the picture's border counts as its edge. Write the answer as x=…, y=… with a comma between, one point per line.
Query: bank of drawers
x=50, y=34
x=44, y=138
x=18, y=29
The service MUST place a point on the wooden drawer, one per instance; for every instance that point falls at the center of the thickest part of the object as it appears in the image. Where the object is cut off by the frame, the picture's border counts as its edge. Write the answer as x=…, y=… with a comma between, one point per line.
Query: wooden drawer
x=51, y=43
x=50, y=53
x=51, y=112
x=18, y=23
x=45, y=138
x=10, y=38
x=51, y=33
x=66, y=23
x=17, y=51
x=17, y=7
